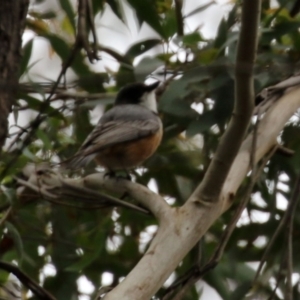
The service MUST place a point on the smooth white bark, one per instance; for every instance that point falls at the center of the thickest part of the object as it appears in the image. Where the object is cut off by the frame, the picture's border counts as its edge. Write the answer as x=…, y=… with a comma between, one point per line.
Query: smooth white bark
x=186, y=225
x=180, y=228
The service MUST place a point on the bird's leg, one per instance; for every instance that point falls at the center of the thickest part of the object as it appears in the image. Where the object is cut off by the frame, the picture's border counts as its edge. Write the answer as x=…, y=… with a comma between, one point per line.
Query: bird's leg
x=128, y=177
x=112, y=174
x=109, y=174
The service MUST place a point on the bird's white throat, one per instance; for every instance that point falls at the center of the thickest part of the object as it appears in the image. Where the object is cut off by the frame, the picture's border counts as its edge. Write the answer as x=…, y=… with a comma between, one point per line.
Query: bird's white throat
x=149, y=101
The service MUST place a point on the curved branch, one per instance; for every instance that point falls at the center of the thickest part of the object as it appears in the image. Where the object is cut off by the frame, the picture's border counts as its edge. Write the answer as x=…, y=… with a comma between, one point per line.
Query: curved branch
x=53, y=187
x=270, y=126
x=27, y=281
x=211, y=186
x=190, y=222
x=154, y=202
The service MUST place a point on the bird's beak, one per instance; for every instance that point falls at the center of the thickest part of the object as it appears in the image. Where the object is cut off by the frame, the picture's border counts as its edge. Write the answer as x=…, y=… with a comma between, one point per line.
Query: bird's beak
x=153, y=86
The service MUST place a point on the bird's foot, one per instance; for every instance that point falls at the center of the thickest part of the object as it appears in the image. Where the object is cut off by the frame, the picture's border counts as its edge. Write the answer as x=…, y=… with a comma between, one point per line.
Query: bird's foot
x=112, y=174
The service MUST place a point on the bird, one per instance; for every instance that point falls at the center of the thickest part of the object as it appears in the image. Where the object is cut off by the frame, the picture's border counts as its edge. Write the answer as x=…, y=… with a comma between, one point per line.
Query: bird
x=126, y=135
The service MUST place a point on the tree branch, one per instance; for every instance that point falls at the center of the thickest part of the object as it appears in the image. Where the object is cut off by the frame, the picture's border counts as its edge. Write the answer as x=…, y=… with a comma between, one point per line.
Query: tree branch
x=12, y=24
x=53, y=187
x=211, y=186
x=270, y=126
x=184, y=226
x=27, y=281
x=179, y=17
x=154, y=202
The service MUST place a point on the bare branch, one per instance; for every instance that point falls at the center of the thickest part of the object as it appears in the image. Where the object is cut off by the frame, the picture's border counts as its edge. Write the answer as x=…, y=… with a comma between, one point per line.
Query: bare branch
x=211, y=186
x=85, y=18
x=184, y=226
x=5, y=216
x=179, y=17
x=27, y=281
x=196, y=272
x=152, y=201
x=286, y=218
x=270, y=125
x=53, y=187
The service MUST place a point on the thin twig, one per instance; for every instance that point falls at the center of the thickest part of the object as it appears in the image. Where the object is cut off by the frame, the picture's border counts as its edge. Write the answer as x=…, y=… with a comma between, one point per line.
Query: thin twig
x=93, y=196
x=289, y=258
x=211, y=186
x=195, y=273
x=288, y=213
x=279, y=277
x=37, y=290
x=5, y=216
x=85, y=18
x=4, y=207
x=179, y=17
x=40, y=117
x=90, y=16
x=84, y=9
x=290, y=226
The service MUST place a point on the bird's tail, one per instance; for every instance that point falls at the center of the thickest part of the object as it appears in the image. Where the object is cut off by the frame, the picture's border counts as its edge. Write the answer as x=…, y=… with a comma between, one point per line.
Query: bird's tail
x=77, y=161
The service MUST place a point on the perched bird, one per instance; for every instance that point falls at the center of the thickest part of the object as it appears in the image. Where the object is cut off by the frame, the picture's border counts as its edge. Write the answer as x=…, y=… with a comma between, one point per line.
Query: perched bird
x=125, y=135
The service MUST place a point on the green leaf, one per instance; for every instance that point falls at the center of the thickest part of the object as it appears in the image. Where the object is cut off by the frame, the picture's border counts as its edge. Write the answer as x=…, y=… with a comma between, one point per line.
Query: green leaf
x=204, y=123
x=286, y=27
x=146, y=66
x=199, y=9
x=171, y=101
x=15, y=235
x=64, y=51
x=115, y=7
x=3, y=277
x=82, y=126
x=146, y=12
x=27, y=49
x=88, y=258
x=140, y=48
x=44, y=138
x=170, y=24
x=93, y=82
x=192, y=39
x=177, y=90
x=66, y=6
x=31, y=156
x=125, y=75
x=207, y=56
x=103, y=101
x=97, y=6
x=216, y=279
x=241, y=291
x=16, y=115
x=46, y=15
x=35, y=104
x=231, y=19
x=221, y=35
x=59, y=45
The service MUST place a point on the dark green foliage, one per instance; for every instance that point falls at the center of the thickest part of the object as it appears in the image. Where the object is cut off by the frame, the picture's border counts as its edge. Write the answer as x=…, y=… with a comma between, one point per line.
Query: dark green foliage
x=86, y=242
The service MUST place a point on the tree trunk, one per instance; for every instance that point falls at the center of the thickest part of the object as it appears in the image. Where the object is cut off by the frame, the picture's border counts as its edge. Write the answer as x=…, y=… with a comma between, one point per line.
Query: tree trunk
x=12, y=23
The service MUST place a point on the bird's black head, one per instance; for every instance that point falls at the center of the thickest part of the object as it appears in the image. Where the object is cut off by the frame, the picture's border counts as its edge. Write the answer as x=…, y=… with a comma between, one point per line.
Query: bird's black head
x=136, y=93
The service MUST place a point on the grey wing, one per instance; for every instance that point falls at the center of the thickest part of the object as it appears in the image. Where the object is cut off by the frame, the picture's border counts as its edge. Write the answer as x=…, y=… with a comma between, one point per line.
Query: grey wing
x=107, y=134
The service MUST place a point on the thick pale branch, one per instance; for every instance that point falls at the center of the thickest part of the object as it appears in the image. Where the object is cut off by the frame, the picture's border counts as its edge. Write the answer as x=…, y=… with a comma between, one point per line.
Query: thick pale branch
x=174, y=239
x=210, y=187
x=269, y=128
x=155, y=203
x=189, y=223
x=27, y=281
x=54, y=187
